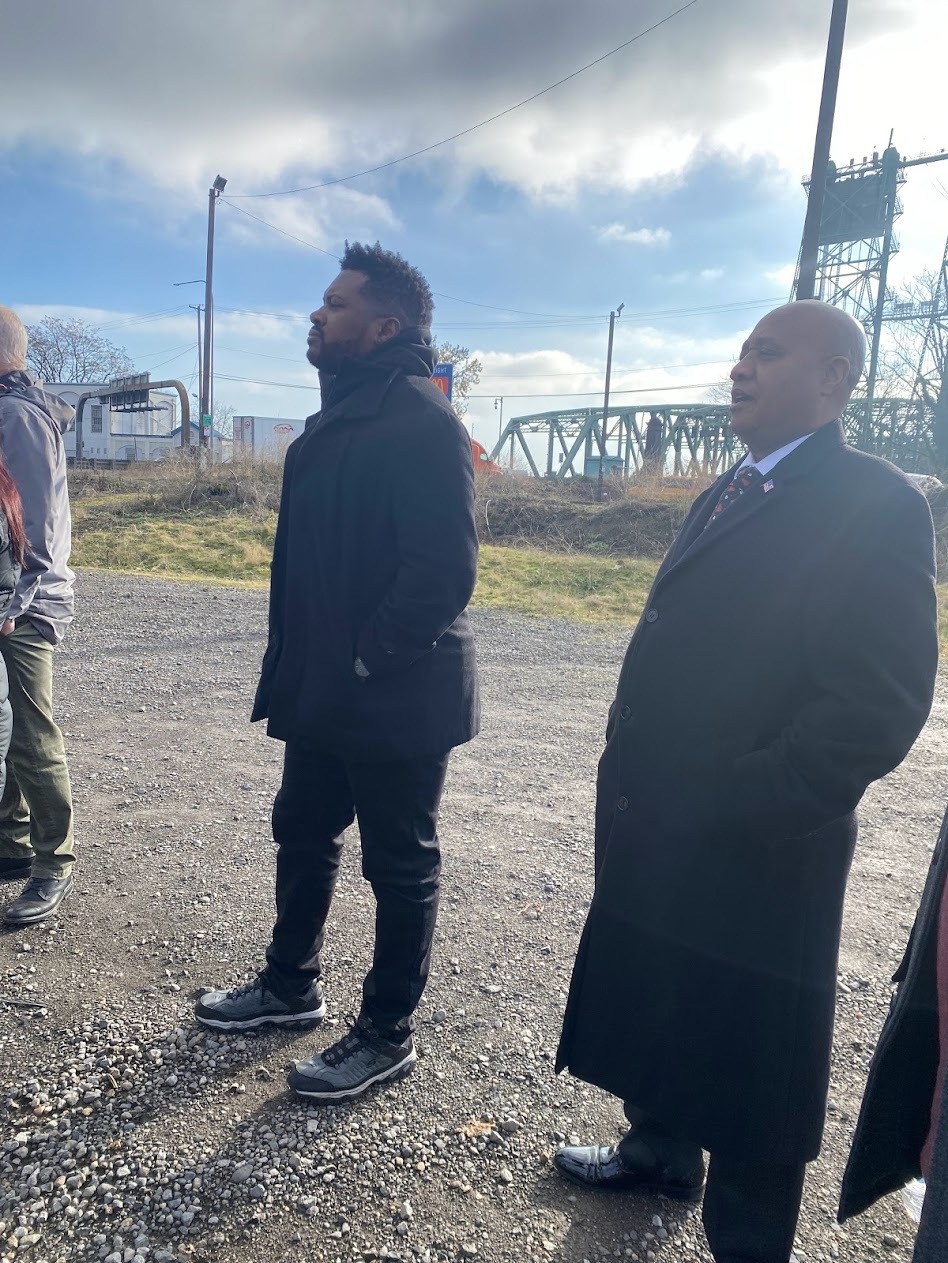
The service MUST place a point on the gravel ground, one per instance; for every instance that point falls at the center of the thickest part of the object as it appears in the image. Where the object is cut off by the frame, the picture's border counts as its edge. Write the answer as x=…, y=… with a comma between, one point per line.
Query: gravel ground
x=130, y=1135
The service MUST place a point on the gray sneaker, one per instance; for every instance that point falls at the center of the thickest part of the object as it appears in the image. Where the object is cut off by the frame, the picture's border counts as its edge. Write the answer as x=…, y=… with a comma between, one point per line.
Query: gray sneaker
x=351, y=1066
x=254, y=1004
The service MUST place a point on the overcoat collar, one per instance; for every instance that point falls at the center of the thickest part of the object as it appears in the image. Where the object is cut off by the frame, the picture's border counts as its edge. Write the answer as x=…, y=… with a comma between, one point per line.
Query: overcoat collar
x=800, y=463
x=359, y=389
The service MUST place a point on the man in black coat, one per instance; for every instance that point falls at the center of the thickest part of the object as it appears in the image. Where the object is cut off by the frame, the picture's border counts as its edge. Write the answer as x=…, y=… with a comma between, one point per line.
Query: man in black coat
x=369, y=674
x=785, y=659
x=903, y=1122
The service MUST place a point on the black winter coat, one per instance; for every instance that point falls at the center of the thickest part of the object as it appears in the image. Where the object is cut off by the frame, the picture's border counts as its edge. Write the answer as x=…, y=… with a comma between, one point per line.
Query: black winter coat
x=785, y=659
x=897, y=1107
x=375, y=558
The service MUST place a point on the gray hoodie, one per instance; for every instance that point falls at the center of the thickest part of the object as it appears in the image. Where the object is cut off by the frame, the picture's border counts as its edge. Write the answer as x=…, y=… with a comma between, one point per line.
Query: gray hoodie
x=32, y=423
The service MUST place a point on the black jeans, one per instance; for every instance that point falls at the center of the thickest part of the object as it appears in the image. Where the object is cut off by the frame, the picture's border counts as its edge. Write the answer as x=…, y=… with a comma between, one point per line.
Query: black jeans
x=750, y=1207
x=396, y=805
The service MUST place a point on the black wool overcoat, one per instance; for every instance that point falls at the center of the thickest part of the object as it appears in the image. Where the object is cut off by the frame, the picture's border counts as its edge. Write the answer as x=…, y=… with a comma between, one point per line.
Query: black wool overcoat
x=375, y=557
x=786, y=658
x=897, y=1110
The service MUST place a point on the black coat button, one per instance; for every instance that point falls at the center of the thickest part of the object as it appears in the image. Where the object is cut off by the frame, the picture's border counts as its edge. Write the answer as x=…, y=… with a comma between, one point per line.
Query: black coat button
x=625, y=712
x=623, y=803
x=652, y=616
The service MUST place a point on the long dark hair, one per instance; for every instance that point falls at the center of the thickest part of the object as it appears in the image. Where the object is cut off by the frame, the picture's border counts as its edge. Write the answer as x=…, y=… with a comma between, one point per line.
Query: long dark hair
x=12, y=507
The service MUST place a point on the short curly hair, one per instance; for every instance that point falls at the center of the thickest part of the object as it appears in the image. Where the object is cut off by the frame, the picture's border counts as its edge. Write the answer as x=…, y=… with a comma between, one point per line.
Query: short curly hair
x=392, y=284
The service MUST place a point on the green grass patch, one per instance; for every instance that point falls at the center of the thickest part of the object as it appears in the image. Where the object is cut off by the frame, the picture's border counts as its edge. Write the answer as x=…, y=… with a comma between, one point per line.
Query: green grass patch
x=576, y=586
x=227, y=545
x=233, y=546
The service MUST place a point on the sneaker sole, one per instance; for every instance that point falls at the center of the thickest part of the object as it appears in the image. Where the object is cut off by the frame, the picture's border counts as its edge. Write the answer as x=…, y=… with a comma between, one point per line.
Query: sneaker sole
x=392, y=1075
x=312, y=1018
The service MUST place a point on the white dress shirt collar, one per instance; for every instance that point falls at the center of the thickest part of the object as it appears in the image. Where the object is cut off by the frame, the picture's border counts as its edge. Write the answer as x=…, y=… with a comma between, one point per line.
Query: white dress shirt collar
x=767, y=463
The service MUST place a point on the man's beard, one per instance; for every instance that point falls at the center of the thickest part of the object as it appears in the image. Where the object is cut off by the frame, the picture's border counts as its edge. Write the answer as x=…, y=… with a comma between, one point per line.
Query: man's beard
x=332, y=357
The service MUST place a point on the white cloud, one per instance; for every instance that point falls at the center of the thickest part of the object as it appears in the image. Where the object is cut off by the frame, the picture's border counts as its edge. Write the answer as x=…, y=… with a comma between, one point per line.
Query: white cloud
x=782, y=277
x=303, y=96
x=321, y=219
x=635, y=236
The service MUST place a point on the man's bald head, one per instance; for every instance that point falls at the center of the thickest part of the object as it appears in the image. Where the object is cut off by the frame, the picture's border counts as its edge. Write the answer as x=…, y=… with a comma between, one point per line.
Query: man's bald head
x=835, y=330
x=13, y=341
x=796, y=374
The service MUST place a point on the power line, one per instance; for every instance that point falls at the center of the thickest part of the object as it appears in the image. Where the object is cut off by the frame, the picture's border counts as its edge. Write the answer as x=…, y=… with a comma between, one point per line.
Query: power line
x=312, y=246
x=660, y=314
x=282, y=231
x=383, y=166
x=510, y=324
x=181, y=353
x=596, y=394
x=125, y=321
x=595, y=370
x=550, y=394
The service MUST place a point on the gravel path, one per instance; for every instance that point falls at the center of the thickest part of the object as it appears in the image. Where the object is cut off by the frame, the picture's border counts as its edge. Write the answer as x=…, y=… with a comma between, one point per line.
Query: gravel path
x=131, y=1136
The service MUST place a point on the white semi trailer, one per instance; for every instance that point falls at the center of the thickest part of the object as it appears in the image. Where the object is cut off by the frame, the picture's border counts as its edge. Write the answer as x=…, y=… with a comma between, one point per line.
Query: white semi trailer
x=266, y=438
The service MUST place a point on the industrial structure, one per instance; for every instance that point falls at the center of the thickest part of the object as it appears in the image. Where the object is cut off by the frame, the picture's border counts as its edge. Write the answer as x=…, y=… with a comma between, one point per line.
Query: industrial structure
x=857, y=242
x=687, y=439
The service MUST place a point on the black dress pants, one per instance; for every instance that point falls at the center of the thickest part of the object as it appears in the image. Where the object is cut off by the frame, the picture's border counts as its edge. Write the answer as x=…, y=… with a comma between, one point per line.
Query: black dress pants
x=750, y=1208
x=396, y=805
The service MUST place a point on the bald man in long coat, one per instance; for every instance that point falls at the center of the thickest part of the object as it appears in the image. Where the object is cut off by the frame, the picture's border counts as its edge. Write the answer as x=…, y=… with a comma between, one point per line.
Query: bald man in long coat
x=786, y=658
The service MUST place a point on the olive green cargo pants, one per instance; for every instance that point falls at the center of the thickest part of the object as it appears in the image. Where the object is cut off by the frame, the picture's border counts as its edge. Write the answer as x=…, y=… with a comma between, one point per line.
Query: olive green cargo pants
x=36, y=818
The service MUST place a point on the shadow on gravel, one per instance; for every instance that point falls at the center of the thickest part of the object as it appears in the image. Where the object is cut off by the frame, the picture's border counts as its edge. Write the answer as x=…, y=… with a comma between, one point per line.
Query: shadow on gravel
x=610, y=1223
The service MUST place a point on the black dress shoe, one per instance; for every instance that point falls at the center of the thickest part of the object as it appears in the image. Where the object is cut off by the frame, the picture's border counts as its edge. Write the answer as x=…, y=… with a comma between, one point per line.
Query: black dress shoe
x=14, y=870
x=600, y=1167
x=39, y=900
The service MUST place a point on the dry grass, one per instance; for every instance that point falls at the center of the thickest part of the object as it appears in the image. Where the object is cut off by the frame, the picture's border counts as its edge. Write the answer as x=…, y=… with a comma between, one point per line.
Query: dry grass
x=586, y=562
x=225, y=545
x=180, y=483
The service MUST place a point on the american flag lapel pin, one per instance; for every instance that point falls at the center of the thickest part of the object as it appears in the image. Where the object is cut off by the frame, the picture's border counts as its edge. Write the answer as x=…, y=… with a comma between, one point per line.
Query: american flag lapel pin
x=769, y=485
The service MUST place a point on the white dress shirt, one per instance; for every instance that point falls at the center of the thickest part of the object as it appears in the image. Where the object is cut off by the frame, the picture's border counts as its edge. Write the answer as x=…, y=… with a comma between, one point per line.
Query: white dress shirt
x=767, y=463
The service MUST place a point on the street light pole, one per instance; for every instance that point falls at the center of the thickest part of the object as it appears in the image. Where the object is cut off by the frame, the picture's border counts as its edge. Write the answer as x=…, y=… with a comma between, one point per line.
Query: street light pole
x=809, y=249
x=613, y=317
x=207, y=404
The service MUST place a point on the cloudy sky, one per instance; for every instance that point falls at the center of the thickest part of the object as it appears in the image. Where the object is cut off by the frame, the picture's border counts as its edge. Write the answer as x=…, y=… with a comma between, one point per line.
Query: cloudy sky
x=666, y=177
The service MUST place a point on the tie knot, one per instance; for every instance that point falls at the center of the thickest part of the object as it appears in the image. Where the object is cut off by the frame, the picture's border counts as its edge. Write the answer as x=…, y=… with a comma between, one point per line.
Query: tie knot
x=748, y=476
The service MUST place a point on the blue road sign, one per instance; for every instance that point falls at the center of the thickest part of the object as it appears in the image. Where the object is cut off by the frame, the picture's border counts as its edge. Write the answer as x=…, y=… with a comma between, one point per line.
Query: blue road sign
x=443, y=378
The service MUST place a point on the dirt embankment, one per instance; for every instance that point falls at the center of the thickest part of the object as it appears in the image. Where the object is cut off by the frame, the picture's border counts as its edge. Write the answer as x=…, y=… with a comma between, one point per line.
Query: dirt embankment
x=634, y=521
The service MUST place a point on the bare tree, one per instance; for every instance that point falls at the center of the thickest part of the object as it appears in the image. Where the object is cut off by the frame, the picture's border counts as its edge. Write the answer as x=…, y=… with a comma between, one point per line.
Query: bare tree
x=73, y=351
x=720, y=392
x=224, y=419
x=467, y=371
x=901, y=359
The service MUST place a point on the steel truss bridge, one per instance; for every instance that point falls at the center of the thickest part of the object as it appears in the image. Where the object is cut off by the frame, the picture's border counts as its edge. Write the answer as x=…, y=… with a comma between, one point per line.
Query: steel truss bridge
x=689, y=439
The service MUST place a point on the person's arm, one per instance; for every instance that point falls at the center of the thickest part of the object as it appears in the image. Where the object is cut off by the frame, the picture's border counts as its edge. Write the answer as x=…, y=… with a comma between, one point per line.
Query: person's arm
x=873, y=650
x=9, y=578
x=30, y=454
x=271, y=653
x=436, y=540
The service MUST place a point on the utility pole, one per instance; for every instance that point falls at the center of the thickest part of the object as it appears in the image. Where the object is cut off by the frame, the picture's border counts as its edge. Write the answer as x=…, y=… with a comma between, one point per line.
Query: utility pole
x=207, y=390
x=499, y=401
x=613, y=316
x=809, y=249
x=186, y=438
x=186, y=431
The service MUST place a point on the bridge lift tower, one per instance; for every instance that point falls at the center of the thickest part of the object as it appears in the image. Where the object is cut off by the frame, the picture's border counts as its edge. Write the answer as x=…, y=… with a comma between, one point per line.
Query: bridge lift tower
x=856, y=245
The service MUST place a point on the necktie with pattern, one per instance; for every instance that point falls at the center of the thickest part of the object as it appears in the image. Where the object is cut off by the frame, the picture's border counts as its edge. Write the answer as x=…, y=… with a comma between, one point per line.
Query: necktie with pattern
x=746, y=478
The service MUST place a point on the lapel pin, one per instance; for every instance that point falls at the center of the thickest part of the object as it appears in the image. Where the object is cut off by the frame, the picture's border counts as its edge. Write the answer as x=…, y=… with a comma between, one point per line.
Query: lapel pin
x=769, y=485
